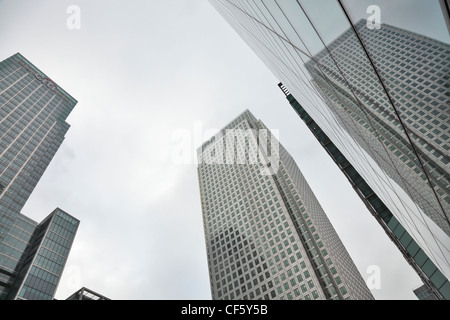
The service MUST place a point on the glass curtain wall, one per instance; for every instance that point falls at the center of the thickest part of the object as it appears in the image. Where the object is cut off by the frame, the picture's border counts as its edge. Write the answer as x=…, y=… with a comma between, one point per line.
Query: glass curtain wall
x=374, y=75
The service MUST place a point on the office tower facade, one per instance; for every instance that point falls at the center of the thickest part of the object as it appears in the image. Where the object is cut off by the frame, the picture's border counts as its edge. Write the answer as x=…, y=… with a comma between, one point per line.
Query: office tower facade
x=267, y=236
x=418, y=91
x=33, y=110
x=44, y=257
x=32, y=127
x=430, y=275
x=379, y=92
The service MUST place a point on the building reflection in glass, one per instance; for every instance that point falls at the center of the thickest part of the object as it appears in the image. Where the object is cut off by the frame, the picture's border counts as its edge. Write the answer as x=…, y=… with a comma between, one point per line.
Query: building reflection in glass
x=382, y=95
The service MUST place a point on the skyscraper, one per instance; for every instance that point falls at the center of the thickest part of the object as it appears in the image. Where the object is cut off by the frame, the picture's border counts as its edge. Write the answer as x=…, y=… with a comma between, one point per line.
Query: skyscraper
x=267, y=236
x=418, y=90
x=431, y=276
x=43, y=259
x=33, y=110
x=380, y=94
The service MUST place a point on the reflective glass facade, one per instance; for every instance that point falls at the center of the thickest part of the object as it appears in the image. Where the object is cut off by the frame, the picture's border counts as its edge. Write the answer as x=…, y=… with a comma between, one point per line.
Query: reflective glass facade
x=378, y=87
x=12, y=251
x=267, y=236
x=33, y=110
x=42, y=264
x=435, y=281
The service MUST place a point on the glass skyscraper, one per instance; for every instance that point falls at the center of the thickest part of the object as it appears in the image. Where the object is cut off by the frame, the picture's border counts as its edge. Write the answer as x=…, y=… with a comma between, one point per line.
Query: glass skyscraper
x=418, y=89
x=379, y=90
x=267, y=236
x=33, y=110
x=43, y=259
x=433, y=278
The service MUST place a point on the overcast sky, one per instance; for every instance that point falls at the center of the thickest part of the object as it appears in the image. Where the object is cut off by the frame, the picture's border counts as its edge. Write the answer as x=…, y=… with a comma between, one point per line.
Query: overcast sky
x=142, y=72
